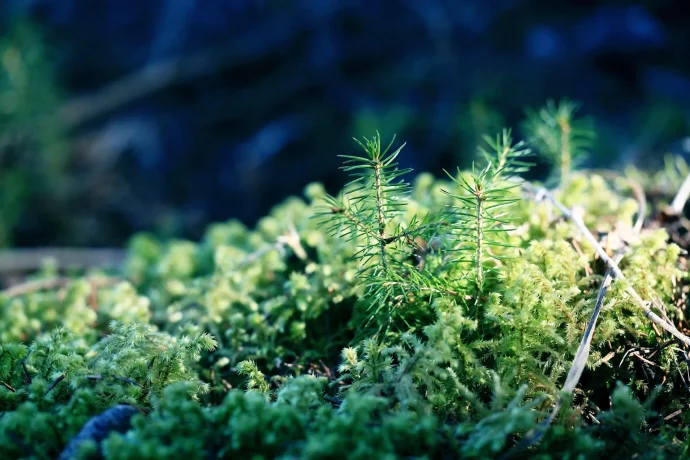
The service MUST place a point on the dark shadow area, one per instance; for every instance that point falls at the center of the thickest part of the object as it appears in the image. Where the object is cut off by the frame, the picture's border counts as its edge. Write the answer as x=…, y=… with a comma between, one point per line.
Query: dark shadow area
x=123, y=116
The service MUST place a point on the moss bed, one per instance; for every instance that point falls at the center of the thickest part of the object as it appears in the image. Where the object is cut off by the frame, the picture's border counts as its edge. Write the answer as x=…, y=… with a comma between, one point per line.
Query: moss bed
x=295, y=340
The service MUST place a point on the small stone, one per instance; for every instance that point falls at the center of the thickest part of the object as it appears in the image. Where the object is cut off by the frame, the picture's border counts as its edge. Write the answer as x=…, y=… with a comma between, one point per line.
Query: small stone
x=98, y=428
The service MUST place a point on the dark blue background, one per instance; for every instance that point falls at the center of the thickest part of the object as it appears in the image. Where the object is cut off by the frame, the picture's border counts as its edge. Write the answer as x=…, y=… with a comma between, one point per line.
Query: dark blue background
x=263, y=95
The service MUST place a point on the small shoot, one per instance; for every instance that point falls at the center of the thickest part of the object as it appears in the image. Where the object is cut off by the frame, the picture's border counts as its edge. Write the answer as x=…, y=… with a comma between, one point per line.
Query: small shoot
x=370, y=213
x=256, y=380
x=480, y=217
x=559, y=136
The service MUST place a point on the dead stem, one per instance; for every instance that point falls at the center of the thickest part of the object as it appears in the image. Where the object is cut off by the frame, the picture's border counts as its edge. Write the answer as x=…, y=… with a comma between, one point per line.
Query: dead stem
x=678, y=204
x=55, y=383
x=53, y=283
x=27, y=259
x=588, y=268
x=8, y=386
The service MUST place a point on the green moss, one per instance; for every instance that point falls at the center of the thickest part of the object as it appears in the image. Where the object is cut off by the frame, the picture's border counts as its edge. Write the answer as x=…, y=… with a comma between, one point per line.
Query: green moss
x=452, y=339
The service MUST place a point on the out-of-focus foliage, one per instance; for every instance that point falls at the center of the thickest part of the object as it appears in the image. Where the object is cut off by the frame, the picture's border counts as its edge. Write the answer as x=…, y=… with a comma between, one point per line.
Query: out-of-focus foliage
x=32, y=151
x=220, y=109
x=560, y=136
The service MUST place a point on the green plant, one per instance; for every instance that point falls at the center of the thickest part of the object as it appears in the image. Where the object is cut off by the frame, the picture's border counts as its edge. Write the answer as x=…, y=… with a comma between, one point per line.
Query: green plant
x=33, y=158
x=444, y=318
x=559, y=136
x=371, y=214
x=485, y=194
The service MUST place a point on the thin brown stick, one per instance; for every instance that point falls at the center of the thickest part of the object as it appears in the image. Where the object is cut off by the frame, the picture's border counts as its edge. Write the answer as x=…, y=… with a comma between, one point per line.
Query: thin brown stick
x=53, y=283
x=607, y=358
x=21, y=260
x=672, y=415
x=637, y=355
x=588, y=268
x=678, y=204
x=666, y=419
x=327, y=370
x=55, y=383
x=34, y=286
x=8, y=386
x=661, y=347
x=638, y=191
x=27, y=376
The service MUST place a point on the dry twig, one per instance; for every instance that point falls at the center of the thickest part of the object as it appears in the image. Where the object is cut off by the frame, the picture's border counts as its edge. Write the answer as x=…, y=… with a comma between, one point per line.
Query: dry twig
x=54, y=283
x=678, y=204
x=22, y=260
x=55, y=382
x=8, y=386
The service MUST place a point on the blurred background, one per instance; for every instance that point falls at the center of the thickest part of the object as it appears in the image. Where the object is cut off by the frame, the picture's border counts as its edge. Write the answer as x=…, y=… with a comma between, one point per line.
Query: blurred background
x=118, y=116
